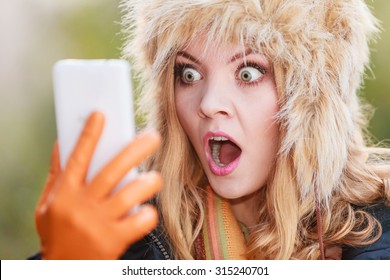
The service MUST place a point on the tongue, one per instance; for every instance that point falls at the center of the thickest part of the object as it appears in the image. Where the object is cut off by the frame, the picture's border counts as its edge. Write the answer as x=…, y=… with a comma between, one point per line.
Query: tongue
x=228, y=152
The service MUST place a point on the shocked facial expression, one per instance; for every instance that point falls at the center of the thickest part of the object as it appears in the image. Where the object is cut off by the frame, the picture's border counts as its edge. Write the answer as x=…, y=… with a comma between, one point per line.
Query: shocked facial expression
x=226, y=101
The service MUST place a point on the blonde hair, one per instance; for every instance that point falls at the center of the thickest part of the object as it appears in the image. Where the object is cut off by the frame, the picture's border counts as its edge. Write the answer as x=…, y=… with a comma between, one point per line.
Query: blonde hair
x=319, y=51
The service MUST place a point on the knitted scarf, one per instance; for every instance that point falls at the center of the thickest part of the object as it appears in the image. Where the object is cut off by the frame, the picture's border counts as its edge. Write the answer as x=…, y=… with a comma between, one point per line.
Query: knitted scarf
x=221, y=238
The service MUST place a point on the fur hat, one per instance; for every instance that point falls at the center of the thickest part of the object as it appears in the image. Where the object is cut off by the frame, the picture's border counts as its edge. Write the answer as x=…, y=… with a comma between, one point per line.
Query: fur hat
x=319, y=51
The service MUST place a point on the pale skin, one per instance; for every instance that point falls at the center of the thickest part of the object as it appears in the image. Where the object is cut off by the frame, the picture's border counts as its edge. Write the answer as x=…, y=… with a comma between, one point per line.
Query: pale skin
x=231, y=93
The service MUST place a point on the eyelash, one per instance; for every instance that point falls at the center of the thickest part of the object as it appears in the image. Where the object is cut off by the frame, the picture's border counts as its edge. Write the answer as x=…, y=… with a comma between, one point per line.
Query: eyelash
x=178, y=72
x=255, y=65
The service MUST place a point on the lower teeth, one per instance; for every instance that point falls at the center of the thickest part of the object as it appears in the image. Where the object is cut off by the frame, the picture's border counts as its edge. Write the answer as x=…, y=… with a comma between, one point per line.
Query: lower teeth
x=216, y=147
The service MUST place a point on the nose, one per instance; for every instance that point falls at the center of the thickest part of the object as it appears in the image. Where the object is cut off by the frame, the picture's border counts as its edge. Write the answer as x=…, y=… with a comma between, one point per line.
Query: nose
x=216, y=102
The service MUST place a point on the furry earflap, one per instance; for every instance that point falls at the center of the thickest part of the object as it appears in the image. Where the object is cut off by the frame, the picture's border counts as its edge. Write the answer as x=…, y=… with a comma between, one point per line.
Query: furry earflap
x=319, y=50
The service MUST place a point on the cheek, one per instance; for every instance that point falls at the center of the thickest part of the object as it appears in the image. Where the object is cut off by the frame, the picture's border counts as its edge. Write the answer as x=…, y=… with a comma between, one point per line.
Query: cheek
x=272, y=135
x=261, y=115
x=266, y=128
x=266, y=146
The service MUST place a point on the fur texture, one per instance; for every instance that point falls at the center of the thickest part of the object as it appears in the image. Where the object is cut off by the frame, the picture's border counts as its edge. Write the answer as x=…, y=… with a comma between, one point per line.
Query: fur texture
x=319, y=51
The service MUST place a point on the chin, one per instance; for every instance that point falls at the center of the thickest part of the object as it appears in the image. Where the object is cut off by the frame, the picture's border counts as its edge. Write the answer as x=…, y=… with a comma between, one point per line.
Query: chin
x=230, y=188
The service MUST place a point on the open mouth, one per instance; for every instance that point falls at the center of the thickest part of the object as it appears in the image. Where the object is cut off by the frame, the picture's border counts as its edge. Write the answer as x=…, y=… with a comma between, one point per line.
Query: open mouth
x=223, y=151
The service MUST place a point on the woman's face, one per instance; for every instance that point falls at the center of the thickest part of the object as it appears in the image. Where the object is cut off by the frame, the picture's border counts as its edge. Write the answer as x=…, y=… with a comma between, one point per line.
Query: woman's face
x=226, y=102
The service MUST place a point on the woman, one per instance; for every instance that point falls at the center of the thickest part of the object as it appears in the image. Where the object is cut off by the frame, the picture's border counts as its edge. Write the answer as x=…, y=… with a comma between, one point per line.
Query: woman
x=262, y=149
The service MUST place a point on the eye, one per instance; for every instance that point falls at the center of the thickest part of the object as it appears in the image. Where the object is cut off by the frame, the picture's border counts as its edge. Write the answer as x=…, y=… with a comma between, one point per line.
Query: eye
x=190, y=75
x=248, y=74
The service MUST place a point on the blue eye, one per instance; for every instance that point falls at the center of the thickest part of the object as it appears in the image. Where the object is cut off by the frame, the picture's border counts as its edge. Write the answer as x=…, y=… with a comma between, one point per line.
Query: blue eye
x=249, y=74
x=190, y=75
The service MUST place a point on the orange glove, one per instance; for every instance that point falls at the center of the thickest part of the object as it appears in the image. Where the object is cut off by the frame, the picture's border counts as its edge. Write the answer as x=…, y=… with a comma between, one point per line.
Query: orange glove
x=79, y=220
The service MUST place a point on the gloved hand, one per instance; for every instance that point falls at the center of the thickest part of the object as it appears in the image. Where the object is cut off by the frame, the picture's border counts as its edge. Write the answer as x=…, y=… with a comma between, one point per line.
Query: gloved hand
x=79, y=220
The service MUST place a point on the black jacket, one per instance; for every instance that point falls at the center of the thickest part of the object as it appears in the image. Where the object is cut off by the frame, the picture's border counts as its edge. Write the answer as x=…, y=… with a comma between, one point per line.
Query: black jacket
x=155, y=247
x=380, y=250
x=151, y=247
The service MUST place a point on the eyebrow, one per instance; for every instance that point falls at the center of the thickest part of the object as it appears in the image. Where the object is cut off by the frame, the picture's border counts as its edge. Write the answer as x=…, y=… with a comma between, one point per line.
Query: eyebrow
x=188, y=56
x=241, y=55
x=231, y=60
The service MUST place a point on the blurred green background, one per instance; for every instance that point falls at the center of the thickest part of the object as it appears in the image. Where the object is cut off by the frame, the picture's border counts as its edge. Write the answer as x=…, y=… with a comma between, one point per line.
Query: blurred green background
x=34, y=34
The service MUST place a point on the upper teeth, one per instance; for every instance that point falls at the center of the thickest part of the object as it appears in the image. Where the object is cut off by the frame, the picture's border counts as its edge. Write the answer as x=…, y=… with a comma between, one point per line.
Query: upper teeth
x=219, y=138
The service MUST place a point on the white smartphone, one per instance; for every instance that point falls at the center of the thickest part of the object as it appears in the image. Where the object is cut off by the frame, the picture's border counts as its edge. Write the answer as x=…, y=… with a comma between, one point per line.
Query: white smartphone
x=84, y=86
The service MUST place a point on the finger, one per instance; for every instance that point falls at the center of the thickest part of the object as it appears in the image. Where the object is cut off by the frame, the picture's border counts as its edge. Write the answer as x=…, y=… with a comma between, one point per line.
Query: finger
x=138, y=225
x=55, y=160
x=140, y=190
x=49, y=185
x=52, y=176
x=78, y=163
x=132, y=155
